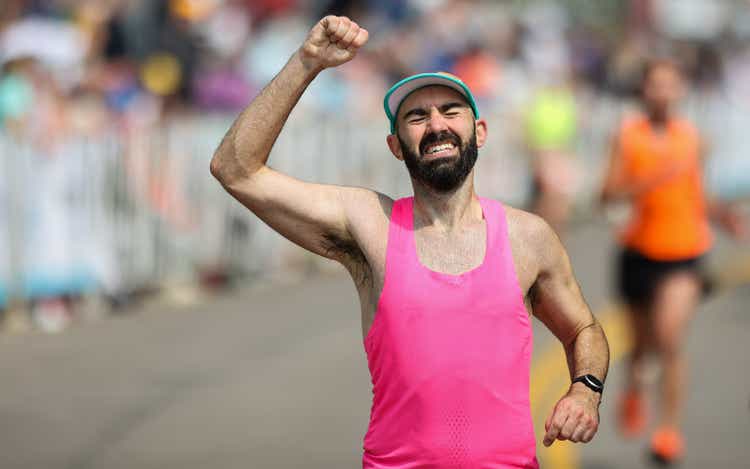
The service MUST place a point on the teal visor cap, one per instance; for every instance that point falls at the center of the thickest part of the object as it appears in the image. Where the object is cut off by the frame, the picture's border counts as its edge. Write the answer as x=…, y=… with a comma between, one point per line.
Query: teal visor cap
x=398, y=92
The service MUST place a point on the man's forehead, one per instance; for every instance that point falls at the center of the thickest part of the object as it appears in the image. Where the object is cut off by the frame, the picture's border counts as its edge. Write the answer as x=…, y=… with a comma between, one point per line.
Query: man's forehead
x=663, y=72
x=431, y=95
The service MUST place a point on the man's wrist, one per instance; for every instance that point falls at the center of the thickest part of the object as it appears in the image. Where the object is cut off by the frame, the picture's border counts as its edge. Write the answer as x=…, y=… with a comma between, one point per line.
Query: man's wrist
x=589, y=384
x=583, y=390
x=309, y=68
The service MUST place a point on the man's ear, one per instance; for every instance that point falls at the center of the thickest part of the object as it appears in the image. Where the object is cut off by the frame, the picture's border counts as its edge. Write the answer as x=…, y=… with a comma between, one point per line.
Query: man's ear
x=395, y=146
x=481, y=126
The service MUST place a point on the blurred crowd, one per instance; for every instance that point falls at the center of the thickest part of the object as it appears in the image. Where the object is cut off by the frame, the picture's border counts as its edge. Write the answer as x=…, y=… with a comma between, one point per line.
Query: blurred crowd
x=89, y=68
x=70, y=63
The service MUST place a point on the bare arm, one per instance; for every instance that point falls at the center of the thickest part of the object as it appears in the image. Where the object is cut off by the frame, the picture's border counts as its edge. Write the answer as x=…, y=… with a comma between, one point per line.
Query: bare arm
x=315, y=216
x=614, y=181
x=722, y=212
x=557, y=301
x=545, y=273
x=617, y=186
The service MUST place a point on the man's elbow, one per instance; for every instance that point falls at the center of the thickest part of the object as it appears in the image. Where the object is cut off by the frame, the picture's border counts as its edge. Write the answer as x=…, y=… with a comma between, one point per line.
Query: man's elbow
x=224, y=170
x=215, y=167
x=232, y=175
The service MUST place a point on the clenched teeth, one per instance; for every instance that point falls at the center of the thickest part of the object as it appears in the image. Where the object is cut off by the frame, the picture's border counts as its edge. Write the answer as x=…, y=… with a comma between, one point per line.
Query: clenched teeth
x=437, y=148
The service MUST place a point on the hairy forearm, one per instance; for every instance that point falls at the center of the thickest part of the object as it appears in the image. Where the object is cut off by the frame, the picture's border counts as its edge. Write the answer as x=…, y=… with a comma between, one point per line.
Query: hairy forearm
x=588, y=353
x=247, y=144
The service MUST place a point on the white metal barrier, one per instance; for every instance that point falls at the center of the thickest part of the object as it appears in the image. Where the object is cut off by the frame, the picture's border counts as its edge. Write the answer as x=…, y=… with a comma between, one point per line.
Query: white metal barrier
x=116, y=213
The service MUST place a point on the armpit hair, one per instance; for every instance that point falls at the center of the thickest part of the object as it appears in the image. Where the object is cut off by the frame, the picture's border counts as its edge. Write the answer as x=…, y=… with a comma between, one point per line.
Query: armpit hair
x=350, y=255
x=533, y=295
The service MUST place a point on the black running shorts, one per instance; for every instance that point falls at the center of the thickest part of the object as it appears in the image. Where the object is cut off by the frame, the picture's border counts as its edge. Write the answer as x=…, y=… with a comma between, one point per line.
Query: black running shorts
x=639, y=276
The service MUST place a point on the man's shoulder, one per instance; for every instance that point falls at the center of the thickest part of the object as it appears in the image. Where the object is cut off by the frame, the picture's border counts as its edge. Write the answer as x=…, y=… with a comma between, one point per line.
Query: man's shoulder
x=363, y=199
x=367, y=211
x=526, y=227
x=533, y=240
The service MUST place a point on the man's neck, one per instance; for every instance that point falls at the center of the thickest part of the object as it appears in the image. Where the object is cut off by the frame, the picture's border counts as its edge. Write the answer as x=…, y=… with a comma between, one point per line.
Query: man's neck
x=447, y=211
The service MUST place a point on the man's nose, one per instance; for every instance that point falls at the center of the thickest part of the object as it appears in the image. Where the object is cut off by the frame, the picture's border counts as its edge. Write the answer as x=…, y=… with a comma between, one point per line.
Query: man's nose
x=437, y=121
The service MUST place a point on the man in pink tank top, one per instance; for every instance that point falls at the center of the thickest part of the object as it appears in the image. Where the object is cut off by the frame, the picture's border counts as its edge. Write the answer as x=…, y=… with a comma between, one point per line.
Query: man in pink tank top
x=447, y=280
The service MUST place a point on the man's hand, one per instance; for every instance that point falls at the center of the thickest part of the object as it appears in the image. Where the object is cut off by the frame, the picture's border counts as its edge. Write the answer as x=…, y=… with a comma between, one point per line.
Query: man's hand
x=731, y=220
x=575, y=417
x=333, y=41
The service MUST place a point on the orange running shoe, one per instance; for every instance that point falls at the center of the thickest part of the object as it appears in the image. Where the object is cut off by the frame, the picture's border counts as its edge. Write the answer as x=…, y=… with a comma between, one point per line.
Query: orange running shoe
x=667, y=445
x=632, y=414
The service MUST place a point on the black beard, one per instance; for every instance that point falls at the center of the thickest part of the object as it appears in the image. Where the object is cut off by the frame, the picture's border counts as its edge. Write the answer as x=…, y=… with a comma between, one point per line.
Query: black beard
x=443, y=174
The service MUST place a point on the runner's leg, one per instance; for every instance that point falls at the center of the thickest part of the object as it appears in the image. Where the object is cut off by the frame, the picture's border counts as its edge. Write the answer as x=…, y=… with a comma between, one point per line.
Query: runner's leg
x=674, y=304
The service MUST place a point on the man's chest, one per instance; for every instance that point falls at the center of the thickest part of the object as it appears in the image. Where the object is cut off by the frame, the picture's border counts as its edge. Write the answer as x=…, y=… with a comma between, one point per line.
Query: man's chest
x=451, y=253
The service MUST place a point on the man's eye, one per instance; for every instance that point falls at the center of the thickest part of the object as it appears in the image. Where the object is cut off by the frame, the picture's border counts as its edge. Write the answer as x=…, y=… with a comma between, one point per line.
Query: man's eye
x=452, y=113
x=416, y=120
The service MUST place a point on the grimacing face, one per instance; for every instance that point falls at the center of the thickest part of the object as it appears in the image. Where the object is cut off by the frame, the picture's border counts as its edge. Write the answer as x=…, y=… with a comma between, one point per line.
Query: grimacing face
x=437, y=137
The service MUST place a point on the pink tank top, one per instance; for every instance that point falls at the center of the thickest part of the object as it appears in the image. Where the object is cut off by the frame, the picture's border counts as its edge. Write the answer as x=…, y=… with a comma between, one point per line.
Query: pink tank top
x=449, y=357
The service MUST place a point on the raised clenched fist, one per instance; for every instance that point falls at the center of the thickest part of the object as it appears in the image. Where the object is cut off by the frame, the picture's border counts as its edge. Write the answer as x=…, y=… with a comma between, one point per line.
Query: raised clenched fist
x=333, y=41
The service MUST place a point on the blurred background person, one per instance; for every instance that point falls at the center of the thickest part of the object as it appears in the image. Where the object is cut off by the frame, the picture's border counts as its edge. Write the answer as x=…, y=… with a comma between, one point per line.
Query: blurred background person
x=550, y=116
x=551, y=125
x=656, y=164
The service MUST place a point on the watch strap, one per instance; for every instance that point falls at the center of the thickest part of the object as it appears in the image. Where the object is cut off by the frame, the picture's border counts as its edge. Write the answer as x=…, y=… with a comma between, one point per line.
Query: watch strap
x=591, y=382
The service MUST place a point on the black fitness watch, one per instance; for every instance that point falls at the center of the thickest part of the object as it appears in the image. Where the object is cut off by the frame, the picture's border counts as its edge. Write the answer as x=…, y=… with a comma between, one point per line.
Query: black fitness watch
x=591, y=382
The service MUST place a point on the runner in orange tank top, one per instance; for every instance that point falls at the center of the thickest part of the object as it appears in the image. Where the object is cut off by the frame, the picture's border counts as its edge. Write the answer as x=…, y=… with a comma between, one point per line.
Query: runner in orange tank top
x=656, y=165
x=670, y=222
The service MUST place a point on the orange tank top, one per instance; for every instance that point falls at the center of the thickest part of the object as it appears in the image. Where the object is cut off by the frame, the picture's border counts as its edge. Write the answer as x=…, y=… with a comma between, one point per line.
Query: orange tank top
x=669, y=221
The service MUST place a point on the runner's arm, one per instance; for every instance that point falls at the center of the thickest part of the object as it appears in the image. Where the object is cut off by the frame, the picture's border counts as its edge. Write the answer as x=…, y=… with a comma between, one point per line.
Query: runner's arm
x=722, y=212
x=618, y=186
x=315, y=216
x=614, y=180
x=557, y=301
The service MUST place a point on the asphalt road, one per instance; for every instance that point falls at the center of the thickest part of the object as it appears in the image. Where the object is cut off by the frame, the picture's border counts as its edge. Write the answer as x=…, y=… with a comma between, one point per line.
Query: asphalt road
x=276, y=377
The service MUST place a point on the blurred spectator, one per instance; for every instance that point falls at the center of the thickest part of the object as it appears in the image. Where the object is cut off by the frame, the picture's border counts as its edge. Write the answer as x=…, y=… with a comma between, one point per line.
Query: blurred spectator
x=551, y=125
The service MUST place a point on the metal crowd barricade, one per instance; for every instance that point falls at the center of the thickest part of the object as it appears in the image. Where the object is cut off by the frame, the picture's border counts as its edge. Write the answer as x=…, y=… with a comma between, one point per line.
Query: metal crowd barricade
x=118, y=213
